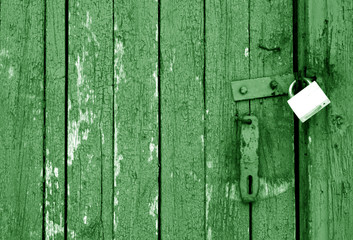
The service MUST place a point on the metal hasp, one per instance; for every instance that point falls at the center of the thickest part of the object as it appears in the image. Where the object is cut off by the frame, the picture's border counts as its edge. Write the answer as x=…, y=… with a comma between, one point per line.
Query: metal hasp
x=249, y=160
x=261, y=87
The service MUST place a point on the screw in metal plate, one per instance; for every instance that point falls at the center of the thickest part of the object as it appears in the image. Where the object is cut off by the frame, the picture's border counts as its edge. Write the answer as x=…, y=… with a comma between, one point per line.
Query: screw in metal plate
x=243, y=90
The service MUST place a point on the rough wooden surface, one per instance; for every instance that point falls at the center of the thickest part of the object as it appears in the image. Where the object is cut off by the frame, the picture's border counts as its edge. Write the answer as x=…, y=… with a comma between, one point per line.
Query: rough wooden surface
x=136, y=119
x=55, y=121
x=329, y=134
x=90, y=120
x=227, y=60
x=21, y=121
x=271, y=46
x=182, y=120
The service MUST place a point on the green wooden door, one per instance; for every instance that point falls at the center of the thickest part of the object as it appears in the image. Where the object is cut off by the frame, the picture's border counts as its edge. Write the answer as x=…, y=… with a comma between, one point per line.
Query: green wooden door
x=118, y=121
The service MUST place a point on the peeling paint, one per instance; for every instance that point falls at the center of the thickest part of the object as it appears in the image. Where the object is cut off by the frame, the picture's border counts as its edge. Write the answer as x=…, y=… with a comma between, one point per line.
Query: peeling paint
x=209, y=233
x=208, y=200
x=155, y=76
x=119, y=73
x=84, y=94
x=56, y=172
x=154, y=207
x=272, y=188
x=117, y=167
x=153, y=147
x=51, y=228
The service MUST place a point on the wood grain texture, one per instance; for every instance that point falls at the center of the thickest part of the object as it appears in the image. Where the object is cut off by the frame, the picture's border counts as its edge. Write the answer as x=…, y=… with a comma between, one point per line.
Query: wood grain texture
x=271, y=46
x=329, y=134
x=136, y=133
x=55, y=121
x=90, y=120
x=21, y=121
x=227, y=60
x=182, y=120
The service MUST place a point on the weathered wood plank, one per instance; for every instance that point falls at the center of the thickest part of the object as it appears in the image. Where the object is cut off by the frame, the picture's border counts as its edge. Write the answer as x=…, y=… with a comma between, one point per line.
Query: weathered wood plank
x=329, y=134
x=271, y=46
x=227, y=60
x=182, y=120
x=21, y=122
x=90, y=120
x=136, y=119
x=55, y=121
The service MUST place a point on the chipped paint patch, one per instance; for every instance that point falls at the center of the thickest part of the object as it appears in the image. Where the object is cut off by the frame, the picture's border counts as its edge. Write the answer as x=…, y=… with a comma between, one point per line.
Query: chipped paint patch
x=153, y=148
x=117, y=157
x=117, y=167
x=233, y=191
x=88, y=22
x=56, y=172
x=154, y=207
x=85, y=219
x=156, y=32
x=208, y=198
x=171, y=65
x=309, y=139
x=209, y=164
x=51, y=228
x=209, y=233
x=155, y=76
x=246, y=52
x=115, y=216
x=11, y=72
x=119, y=73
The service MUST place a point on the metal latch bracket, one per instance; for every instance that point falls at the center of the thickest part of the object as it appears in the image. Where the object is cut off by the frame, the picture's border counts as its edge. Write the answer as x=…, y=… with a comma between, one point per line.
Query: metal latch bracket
x=261, y=87
x=249, y=160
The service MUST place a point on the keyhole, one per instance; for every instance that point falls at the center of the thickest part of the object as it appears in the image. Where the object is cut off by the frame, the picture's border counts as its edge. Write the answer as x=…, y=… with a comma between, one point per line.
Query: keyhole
x=250, y=184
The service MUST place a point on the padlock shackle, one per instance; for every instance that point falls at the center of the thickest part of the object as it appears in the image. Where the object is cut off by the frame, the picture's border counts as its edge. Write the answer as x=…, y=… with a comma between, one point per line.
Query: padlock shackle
x=290, y=92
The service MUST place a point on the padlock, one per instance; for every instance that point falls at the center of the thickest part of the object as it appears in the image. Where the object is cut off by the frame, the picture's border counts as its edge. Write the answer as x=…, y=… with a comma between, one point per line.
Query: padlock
x=308, y=101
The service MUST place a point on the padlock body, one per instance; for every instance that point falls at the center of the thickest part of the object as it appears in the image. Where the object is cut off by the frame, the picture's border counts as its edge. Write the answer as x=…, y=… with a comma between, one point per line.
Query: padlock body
x=308, y=101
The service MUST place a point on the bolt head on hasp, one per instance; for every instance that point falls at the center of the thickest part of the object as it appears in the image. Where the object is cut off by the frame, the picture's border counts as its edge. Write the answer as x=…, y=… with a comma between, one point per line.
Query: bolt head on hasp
x=243, y=90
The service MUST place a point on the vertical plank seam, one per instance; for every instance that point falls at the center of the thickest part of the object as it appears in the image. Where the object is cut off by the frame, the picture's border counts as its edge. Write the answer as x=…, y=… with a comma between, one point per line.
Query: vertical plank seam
x=249, y=43
x=205, y=116
x=159, y=125
x=44, y=115
x=113, y=122
x=66, y=111
x=296, y=122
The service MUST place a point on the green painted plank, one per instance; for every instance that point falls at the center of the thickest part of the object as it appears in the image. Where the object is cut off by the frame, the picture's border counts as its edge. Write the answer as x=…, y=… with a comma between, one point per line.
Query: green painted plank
x=273, y=215
x=55, y=120
x=136, y=119
x=90, y=120
x=227, y=60
x=21, y=122
x=182, y=120
x=327, y=138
